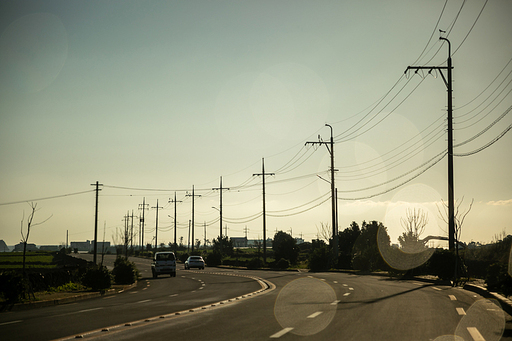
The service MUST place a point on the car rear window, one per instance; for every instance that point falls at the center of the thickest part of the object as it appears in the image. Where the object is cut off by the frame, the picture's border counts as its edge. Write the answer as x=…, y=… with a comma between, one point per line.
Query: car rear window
x=165, y=256
x=196, y=258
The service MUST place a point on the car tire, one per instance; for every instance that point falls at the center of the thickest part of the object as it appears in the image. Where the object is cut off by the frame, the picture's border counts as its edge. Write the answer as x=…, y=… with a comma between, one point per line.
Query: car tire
x=155, y=275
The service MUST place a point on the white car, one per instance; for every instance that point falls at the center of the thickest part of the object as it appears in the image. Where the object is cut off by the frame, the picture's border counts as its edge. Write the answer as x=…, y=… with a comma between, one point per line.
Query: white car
x=164, y=263
x=194, y=262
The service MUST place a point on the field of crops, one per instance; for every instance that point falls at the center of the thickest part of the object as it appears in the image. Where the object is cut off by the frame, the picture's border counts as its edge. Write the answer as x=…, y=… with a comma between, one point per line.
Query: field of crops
x=14, y=260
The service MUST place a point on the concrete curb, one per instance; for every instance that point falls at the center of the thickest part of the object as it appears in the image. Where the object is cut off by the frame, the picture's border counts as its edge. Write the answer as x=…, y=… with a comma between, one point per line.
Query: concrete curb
x=506, y=304
x=70, y=299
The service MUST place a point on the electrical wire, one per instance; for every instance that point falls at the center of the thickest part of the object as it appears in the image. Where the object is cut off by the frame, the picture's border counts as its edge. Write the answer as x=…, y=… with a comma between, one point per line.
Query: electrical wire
x=472, y=26
x=46, y=198
x=496, y=139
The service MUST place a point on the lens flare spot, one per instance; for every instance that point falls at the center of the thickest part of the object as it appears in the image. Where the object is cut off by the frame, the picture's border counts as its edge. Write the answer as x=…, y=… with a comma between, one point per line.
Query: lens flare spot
x=305, y=305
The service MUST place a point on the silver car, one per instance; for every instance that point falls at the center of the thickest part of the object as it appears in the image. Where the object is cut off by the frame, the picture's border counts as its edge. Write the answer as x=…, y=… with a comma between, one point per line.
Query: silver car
x=194, y=262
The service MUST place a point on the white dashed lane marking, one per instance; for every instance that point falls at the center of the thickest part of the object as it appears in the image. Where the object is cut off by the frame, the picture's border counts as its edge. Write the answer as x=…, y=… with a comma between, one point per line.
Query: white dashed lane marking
x=346, y=294
x=460, y=311
x=452, y=297
x=280, y=333
x=335, y=302
x=312, y=316
x=475, y=334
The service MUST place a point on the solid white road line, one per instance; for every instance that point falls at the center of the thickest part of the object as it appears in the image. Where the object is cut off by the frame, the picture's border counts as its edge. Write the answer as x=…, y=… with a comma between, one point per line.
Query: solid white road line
x=281, y=333
x=475, y=334
x=312, y=316
x=86, y=310
x=461, y=311
x=11, y=322
x=144, y=301
x=452, y=297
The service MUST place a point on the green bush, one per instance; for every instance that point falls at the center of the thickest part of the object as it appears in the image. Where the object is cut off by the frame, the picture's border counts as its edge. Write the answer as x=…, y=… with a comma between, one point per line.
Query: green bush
x=255, y=263
x=125, y=272
x=283, y=264
x=97, y=277
x=213, y=258
x=12, y=286
x=183, y=257
x=498, y=279
x=320, y=259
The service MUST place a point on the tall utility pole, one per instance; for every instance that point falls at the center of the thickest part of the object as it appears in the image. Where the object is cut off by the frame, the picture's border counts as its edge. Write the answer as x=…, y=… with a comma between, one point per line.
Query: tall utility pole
x=156, y=227
x=193, y=227
x=205, y=235
x=263, y=174
x=174, y=201
x=143, y=207
x=97, y=189
x=448, y=83
x=220, y=189
x=131, y=235
x=333, y=195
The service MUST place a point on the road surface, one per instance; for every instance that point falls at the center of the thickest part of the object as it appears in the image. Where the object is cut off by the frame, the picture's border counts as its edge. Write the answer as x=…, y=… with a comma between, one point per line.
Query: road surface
x=196, y=305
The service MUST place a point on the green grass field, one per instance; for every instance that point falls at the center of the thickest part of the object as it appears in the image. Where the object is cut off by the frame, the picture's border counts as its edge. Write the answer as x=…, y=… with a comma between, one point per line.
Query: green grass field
x=14, y=260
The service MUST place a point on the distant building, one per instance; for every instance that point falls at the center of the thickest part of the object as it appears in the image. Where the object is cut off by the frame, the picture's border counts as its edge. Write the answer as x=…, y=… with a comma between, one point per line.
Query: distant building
x=49, y=248
x=30, y=247
x=3, y=246
x=239, y=242
x=81, y=246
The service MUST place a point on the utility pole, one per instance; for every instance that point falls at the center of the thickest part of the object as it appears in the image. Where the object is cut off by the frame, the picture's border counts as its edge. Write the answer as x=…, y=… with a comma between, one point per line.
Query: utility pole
x=448, y=83
x=156, y=227
x=174, y=201
x=97, y=189
x=188, y=242
x=193, y=196
x=131, y=235
x=143, y=207
x=333, y=195
x=246, y=230
x=220, y=189
x=263, y=174
x=205, y=235
x=125, y=236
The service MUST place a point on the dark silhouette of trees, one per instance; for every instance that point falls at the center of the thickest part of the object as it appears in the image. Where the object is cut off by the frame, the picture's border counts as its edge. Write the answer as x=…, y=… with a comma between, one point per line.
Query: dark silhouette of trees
x=346, y=241
x=366, y=254
x=285, y=246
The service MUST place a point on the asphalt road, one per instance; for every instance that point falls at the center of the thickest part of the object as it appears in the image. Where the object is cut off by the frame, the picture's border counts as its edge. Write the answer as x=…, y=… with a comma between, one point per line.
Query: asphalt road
x=318, y=306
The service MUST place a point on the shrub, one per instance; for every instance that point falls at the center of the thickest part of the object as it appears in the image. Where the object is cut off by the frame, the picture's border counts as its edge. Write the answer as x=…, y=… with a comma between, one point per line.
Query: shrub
x=320, y=259
x=283, y=264
x=12, y=286
x=183, y=257
x=125, y=272
x=97, y=277
x=213, y=259
x=255, y=263
x=498, y=279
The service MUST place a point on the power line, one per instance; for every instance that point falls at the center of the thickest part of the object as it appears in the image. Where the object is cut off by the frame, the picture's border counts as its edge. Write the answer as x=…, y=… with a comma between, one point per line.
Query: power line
x=46, y=198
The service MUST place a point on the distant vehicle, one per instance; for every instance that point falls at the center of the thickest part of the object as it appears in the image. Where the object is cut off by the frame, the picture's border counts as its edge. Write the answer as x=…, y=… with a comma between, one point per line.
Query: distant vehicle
x=194, y=262
x=163, y=263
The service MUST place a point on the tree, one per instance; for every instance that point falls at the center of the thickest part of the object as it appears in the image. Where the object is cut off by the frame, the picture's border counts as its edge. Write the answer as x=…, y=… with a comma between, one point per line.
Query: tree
x=30, y=224
x=459, y=217
x=285, y=246
x=223, y=246
x=414, y=225
x=366, y=254
x=346, y=239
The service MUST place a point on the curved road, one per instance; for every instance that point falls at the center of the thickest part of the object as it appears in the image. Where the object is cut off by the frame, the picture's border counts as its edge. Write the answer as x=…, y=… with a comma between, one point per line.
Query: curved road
x=320, y=306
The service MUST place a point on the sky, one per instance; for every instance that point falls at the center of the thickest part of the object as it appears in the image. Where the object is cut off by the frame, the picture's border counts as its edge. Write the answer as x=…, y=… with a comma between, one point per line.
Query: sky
x=155, y=98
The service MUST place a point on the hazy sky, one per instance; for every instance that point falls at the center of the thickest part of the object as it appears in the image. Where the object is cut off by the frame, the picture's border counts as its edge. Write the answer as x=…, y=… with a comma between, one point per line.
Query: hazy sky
x=153, y=97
